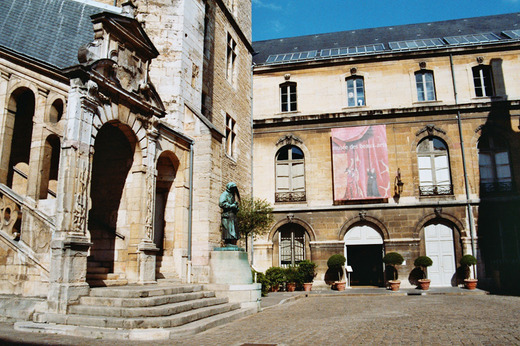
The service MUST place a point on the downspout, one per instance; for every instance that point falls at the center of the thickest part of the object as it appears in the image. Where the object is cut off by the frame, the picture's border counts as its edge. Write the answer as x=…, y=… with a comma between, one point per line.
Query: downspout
x=252, y=176
x=190, y=214
x=466, y=182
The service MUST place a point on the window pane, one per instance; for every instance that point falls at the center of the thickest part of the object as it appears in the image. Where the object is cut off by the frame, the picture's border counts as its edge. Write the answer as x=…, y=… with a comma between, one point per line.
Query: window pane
x=502, y=158
x=283, y=154
x=297, y=154
x=438, y=144
x=424, y=162
x=441, y=162
x=425, y=177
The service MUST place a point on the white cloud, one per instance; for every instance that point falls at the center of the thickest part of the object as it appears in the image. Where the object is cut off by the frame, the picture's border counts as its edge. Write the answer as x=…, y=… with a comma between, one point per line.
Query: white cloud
x=266, y=4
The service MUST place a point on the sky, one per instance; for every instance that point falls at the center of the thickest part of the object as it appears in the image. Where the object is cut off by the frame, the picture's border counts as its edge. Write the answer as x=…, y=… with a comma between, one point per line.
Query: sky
x=287, y=18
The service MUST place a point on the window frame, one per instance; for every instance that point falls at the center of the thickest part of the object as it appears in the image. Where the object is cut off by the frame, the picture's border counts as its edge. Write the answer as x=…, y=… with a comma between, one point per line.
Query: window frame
x=355, y=89
x=231, y=57
x=291, y=194
x=495, y=183
x=290, y=91
x=230, y=136
x=485, y=72
x=424, y=84
x=436, y=188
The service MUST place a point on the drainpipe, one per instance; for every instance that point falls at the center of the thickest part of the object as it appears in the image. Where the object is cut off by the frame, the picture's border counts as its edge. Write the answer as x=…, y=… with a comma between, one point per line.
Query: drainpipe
x=466, y=182
x=190, y=213
x=252, y=176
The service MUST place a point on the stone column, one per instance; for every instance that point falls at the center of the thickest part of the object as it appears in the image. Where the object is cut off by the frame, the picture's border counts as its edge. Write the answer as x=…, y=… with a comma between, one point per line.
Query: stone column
x=147, y=248
x=71, y=240
x=6, y=122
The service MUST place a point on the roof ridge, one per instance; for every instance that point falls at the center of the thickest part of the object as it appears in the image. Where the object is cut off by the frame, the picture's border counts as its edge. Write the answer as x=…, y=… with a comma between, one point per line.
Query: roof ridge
x=97, y=4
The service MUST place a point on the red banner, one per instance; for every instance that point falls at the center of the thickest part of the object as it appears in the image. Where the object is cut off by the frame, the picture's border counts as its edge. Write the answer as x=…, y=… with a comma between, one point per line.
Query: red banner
x=360, y=163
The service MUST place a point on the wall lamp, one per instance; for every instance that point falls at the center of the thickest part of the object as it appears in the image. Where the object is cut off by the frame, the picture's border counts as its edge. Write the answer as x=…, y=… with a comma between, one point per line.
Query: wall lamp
x=398, y=183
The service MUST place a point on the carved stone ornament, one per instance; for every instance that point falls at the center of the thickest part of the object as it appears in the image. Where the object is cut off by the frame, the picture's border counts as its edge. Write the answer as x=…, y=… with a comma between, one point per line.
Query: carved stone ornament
x=430, y=128
x=422, y=65
x=79, y=214
x=353, y=71
x=290, y=218
x=288, y=139
x=287, y=76
x=148, y=223
x=11, y=213
x=438, y=211
x=480, y=60
x=363, y=214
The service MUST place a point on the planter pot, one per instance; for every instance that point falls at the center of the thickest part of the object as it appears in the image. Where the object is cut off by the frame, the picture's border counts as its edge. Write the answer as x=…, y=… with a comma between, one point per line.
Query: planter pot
x=394, y=284
x=275, y=288
x=470, y=284
x=307, y=286
x=424, y=284
x=340, y=286
x=291, y=286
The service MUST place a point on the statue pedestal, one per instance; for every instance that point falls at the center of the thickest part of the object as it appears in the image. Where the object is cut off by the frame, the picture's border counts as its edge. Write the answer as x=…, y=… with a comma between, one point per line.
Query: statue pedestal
x=230, y=277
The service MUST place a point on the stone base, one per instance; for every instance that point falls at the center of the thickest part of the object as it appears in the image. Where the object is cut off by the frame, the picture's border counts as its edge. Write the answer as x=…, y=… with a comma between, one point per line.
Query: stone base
x=229, y=268
x=248, y=295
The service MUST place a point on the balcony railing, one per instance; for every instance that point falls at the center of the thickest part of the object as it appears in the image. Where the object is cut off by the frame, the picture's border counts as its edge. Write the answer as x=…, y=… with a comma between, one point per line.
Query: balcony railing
x=436, y=190
x=496, y=186
x=289, y=197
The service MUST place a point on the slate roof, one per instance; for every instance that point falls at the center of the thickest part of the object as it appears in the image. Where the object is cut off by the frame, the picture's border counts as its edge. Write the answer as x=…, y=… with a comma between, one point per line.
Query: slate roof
x=495, y=24
x=50, y=31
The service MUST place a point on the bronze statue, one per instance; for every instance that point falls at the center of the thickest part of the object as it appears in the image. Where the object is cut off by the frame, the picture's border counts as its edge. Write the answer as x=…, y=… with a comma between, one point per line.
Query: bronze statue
x=229, y=207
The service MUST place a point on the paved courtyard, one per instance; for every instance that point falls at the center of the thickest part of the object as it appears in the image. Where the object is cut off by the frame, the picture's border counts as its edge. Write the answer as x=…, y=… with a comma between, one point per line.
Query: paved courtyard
x=327, y=320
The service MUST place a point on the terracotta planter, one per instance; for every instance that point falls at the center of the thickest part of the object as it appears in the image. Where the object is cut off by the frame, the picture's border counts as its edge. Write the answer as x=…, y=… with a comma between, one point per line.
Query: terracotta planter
x=275, y=288
x=470, y=284
x=424, y=284
x=291, y=286
x=307, y=286
x=394, y=284
x=340, y=286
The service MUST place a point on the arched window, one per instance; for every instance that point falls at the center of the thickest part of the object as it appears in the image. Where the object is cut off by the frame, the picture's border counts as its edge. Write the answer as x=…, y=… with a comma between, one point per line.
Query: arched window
x=288, y=97
x=56, y=111
x=425, y=85
x=494, y=165
x=434, y=167
x=482, y=78
x=290, y=174
x=355, y=91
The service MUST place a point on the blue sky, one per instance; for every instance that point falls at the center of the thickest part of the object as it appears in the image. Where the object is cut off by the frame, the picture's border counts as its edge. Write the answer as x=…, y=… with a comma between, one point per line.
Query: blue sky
x=287, y=18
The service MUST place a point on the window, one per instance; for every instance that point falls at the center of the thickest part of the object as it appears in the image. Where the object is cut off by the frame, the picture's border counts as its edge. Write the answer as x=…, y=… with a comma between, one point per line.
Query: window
x=290, y=175
x=292, y=246
x=231, y=57
x=434, y=167
x=288, y=97
x=355, y=91
x=425, y=85
x=482, y=78
x=494, y=165
x=230, y=135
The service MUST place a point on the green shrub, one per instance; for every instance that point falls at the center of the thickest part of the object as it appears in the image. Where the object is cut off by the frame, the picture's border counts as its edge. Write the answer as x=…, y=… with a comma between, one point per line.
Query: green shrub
x=307, y=270
x=467, y=261
x=261, y=279
x=275, y=275
x=336, y=261
x=293, y=275
x=393, y=259
x=423, y=262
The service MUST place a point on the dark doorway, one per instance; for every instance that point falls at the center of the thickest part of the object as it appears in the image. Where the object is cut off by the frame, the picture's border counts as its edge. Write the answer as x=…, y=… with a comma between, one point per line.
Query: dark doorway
x=367, y=265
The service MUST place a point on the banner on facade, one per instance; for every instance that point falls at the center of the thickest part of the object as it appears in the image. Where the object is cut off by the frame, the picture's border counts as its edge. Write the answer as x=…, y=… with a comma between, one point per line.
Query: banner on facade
x=360, y=163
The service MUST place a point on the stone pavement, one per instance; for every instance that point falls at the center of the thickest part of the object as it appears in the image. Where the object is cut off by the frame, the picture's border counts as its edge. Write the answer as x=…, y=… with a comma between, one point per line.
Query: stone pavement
x=349, y=318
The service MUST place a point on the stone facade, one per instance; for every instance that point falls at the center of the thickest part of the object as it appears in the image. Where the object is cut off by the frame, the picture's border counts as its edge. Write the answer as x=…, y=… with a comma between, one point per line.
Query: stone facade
x=390, y=99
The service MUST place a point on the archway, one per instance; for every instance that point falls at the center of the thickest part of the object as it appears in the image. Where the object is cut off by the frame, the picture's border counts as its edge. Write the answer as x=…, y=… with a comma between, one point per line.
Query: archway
x=166, y=171
x=113, y=157
x=20, y=120
x=439, y=245
x=291, y=244
x=364, y=253
x=50, y=164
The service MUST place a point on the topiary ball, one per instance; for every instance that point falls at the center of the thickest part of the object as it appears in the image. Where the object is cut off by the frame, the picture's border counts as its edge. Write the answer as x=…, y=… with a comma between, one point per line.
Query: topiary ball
x=468, y=260
x=393, y=258
x=423, y=261
x=336, y=261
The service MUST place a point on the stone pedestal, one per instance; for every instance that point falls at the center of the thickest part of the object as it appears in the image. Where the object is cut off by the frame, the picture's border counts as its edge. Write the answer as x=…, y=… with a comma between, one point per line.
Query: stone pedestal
x=147, y=260
x=230, y=277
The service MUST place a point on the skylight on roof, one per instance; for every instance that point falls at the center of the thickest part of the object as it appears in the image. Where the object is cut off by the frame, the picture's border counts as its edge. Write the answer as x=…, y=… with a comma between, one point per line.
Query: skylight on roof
x=512, y=33
x=289, y=57
x=471, y=39
x=416, y=44
x=357, y=50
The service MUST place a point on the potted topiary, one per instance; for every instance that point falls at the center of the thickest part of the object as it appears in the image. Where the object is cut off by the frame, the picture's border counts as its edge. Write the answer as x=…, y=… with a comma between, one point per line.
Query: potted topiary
x=276, y=277
x=337, y=263
x=307, y=270
x=466, y=262
x=394, y=259
x=292, y=277
x=423, y=262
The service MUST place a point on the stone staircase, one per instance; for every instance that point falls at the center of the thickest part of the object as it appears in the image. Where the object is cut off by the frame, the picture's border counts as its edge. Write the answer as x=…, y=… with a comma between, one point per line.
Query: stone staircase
x=100, y=276
x=163, y=311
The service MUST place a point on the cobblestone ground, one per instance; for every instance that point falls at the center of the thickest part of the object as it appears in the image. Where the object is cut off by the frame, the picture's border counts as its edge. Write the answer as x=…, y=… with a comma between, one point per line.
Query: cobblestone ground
x=428, y=320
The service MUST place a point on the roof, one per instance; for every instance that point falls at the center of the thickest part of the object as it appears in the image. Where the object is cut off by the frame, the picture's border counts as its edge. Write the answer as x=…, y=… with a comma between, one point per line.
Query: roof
x=50, y=31
x=314, y=44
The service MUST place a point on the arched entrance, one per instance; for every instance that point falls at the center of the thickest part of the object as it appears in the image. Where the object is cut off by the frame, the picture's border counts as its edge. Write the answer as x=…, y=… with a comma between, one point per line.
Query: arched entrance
x=164, y=196
x=439, y=244
x=364, y=253
x=291, y=244
x=113, y=157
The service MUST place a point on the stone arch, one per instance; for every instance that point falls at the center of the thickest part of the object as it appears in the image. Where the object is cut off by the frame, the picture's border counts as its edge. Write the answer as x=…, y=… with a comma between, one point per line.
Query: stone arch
x=440, y=217
x=291, y=219
x=55, y=111
x=49, y=167
x=364, y=220
x=18, y=138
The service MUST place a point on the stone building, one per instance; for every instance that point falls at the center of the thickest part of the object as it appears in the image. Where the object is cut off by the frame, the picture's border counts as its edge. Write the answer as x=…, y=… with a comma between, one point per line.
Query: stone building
x=119, y=129
x=388, y=139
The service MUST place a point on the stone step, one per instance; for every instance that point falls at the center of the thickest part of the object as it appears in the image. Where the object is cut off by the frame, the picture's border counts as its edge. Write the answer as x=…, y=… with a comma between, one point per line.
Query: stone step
x=147, y=311
x=97, y=270
x=107, y=283
x=144, y=302
x=149, y=334
x=102, y=276
x=137, y=291
x=141, y=322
